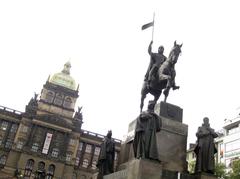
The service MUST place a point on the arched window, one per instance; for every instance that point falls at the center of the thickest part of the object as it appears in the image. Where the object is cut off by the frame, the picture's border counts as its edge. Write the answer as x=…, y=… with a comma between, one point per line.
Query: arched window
x=58, y=99
x=55, y=152
x=40, y=173
x=74, y=176
x=49, y=97
x=67, y=102
x=50, y=172
x=41, y=166
x=3, y=160
x=28, y=168
x=83, y=177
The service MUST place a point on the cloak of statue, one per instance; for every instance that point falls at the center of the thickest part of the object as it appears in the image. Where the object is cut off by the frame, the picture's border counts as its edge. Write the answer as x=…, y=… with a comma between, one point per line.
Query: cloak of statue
x=145, y=143
x=106, y=156
x=205, y=148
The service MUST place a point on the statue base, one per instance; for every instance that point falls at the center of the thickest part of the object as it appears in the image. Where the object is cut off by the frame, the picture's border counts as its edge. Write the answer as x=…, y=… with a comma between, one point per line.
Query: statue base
x=171, y=140
x=138, y=169
x=206, y=176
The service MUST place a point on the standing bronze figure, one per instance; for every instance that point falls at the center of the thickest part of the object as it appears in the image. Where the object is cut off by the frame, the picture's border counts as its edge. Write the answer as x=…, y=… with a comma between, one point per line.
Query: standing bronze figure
x=106, y=157
x=205, y=148
x=161, y=74
x=145, y=143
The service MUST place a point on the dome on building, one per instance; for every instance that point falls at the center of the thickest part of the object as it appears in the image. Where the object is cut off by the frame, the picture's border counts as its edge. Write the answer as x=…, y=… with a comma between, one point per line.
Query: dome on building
x=63, y=78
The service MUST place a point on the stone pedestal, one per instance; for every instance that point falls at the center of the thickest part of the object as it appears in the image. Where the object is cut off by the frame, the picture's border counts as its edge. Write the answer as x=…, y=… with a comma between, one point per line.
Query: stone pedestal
x=171, y=140
x=206, y=176
x=138, y=169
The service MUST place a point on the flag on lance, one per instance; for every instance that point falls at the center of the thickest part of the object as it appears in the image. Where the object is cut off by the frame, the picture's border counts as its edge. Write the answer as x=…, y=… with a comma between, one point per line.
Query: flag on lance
x=150, y=24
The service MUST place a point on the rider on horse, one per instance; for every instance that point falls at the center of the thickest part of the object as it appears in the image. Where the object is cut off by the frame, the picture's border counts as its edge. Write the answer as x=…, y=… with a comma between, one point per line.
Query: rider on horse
x=156, y=61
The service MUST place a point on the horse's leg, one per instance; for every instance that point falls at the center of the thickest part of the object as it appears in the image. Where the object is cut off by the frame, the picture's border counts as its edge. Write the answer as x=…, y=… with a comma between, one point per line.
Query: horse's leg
x=166, y=92
x=156, y=97
x=143, y=95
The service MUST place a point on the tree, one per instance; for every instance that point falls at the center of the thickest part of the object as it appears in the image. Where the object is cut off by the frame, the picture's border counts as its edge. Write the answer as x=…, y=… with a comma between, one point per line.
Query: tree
x=235, y=173
x=220, y=170
x=191, y=166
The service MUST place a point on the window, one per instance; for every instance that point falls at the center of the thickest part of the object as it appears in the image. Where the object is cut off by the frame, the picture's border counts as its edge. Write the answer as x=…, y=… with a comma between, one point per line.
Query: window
x=68, y=157
x=4, y=125
x=55, y=152
x=72, y=141
x=49, y=97
x=85, y=163
x=3, y=160
x=230, y=146
x=35, y=147
x=41, y=170
x=58, y=99
x=19, y=145
x=97, y=151
x=193, y=155
x=67, y=102
x=28, y=168
x=25, y=129
x=8, y=144
x=14, y=128
x=50, y=172
x=83, y=177
x=88, y=148
x=41, y=166
x=116, y=156
x=80, y=146
x=74, y=176
x=94, y=163
x=77, y=161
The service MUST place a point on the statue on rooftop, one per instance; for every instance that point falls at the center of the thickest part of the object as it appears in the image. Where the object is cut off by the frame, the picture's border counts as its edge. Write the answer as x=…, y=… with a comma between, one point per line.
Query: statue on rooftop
x=106, y=157
x=205, y=148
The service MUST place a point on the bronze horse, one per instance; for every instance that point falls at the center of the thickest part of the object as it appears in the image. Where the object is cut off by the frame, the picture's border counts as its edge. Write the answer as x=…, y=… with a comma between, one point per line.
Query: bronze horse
x=165, y=78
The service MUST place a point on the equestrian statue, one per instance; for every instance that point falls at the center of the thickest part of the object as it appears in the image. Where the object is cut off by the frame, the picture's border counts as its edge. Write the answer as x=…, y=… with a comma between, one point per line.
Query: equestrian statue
x=160, y=74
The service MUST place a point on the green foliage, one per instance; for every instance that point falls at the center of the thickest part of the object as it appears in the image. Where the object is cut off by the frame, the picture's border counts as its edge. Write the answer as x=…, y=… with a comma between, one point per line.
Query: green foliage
x=191, y=166
x=220, y=171
x=235, y=173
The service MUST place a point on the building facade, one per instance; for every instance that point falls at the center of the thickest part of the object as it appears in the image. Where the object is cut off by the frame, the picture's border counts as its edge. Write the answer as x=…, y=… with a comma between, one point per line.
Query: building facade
x=48, y=139
x=229, y=142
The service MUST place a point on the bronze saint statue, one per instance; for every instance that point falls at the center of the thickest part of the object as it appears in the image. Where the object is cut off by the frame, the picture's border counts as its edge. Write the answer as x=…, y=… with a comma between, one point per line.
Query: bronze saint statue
x=205, y=148
x=156, y=59
x=160, y=74
x=106, y=157
x=144, y=143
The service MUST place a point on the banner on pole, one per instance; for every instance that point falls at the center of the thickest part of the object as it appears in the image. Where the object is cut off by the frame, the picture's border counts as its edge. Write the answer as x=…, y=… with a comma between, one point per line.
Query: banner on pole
x=145, y=26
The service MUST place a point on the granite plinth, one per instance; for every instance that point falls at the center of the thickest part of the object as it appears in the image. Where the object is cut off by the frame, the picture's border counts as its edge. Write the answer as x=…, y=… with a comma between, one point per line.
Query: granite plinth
x=206, y=176
x=171, y=140
x=138, y=169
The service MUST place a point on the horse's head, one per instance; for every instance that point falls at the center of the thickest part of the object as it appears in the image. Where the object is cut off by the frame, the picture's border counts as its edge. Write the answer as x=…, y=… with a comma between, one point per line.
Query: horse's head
x=174, y=54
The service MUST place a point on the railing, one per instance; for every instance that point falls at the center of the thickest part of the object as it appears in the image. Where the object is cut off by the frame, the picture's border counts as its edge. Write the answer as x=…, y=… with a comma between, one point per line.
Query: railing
x=3, y=108
x=98, y=135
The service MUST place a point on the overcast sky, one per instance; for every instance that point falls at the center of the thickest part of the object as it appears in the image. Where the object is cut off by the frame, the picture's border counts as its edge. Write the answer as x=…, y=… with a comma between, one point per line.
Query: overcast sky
x=108, y=53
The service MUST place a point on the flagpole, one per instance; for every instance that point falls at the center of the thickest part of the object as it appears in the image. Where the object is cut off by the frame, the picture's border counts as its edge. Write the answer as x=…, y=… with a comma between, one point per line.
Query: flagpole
x=153, y=25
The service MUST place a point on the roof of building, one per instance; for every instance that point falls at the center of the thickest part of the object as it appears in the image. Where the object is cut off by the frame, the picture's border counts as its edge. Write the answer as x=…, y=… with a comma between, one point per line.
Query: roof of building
x=63, y=78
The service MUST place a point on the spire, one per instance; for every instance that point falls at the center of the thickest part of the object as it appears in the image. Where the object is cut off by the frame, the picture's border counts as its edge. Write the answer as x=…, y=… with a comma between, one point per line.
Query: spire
x=66, y=68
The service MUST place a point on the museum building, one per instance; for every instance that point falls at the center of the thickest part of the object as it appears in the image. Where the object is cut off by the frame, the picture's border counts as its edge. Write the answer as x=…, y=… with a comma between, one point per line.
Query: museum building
x=48, y=139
